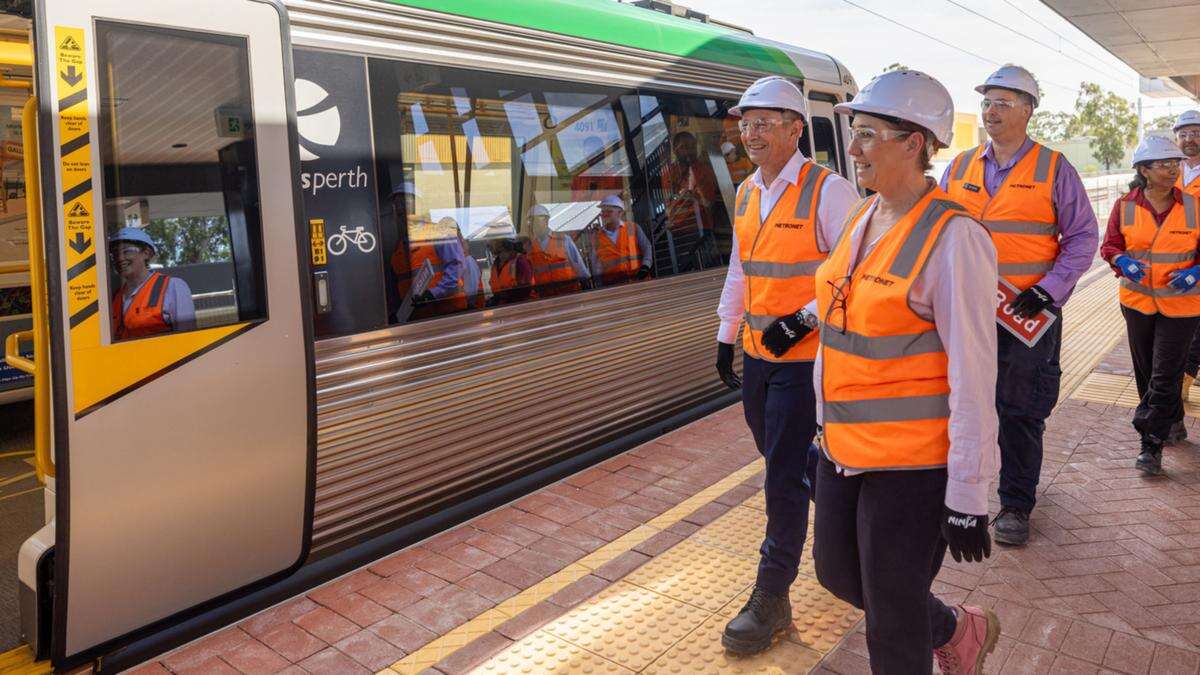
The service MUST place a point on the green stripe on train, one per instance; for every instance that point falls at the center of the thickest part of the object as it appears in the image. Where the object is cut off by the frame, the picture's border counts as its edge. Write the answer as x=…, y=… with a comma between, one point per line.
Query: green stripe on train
x=620, y=24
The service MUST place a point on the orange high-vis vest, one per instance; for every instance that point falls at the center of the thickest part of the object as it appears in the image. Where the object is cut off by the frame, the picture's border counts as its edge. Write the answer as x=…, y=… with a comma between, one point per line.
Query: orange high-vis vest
x=1163, y=249
x=779, y=257
x=145, y=313
x=405, y=264
x=620, y=260
x=1020, y=217
x=1192, y=188
x=884, y=370
x=553, y=273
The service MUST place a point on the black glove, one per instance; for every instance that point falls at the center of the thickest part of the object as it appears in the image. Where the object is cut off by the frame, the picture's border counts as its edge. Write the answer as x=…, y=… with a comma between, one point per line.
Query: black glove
x=1031, y=301
x=425, y=296
x=967, y=535
x=643, y=273
x=725, y=366
x=784, y=334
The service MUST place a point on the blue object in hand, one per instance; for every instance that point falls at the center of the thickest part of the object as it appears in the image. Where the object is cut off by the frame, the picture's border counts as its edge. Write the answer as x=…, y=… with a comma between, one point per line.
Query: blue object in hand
x=1183, y=280
x=1131, y=268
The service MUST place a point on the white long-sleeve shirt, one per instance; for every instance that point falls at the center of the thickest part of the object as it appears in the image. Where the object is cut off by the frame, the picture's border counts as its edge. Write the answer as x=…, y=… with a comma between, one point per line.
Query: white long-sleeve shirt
x=957, y=292
x=837, y=197
x=1189, y=172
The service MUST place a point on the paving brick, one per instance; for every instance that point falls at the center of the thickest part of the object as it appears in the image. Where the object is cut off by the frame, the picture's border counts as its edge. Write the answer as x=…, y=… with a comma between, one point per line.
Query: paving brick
x=1065, y=665
x=359, y=609
x=1086, y=641
x=578, y=591
x=494, y=544
x=603, y=531
x=1171, y=660
x=418, y=581
x=465, y=554
x=479, y=650
x=370, y=650
x=534, y=523
x=390, y=594
x=444, y=568
x=577, y=538
x=280, y=614
x=404, y=633
x=1129, y=653
x=253, y=656
x=205, y=648
x=707, y=513
x=683, y=528
x=292, y=642
x=328, y=661
x=512, y=573
x=210, y=666
x=562, y=552
x=434, y=616
x=348, y=584
x=489, y=587
x=152, y=668
x=530, y=620
x=447, y=540
x=536, y=562
x=621, y=565
x=326, y=624
x=658, y=543
x=461, y=601
x=1045, y=630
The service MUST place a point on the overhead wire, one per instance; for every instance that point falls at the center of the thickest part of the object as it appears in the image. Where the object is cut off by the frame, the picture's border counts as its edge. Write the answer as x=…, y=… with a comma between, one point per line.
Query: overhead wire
x=1057, y=34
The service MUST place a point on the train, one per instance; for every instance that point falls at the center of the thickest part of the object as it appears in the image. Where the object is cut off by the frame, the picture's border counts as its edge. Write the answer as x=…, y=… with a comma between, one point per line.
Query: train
x=316, y=201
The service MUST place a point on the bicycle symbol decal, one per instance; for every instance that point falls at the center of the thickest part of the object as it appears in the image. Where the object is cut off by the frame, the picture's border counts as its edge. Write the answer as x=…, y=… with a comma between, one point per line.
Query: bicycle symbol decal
x=338, y=243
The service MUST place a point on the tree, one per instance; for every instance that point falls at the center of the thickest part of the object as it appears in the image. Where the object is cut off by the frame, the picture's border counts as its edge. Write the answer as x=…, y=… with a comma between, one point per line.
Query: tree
x=189, y=239
x=1162, y=123
x=895, y=66
x=1107, y=119
x=1050, y=127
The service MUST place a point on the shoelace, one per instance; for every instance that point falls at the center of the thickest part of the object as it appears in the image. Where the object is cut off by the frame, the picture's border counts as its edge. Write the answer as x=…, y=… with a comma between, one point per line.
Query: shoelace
x=1019, y=514
x=757, y=604
x=947, y=660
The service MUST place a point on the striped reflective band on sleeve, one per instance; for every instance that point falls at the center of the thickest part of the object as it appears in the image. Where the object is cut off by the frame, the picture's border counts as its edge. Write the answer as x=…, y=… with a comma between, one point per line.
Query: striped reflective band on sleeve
x=1021, y=227
x=883, y=347
x=1165, y=292
x=965, y=160
x=1016, y=269
x=1042, y=171
x=910, y=250
x=778, y=270
x=1149, y=256
x=808, y=191
x=900, y=409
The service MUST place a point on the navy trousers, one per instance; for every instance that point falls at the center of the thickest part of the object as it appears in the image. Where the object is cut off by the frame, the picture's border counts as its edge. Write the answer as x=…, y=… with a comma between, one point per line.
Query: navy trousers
x=1026, y=390
x=1158, y=345
x=780, y=410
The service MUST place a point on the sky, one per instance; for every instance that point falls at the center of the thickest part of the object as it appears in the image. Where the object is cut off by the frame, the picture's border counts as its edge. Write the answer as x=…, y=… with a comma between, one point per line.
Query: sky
x=1025, y=32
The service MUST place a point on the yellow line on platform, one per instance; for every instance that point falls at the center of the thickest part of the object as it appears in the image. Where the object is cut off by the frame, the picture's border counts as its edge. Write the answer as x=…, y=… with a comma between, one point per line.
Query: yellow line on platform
x=20, y=661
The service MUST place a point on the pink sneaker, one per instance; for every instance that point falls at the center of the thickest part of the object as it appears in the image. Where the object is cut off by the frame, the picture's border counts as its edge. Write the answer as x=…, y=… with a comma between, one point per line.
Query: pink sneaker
x=974, y=638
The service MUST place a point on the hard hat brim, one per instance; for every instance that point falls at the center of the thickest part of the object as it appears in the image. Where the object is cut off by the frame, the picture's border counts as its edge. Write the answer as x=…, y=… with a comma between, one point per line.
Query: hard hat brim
x=982, y=90
x=851, y=108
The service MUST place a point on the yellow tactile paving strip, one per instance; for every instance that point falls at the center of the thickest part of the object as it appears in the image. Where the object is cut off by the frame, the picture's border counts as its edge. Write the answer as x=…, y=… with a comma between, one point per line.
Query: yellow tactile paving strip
x=1121, y=390
x=20, y=661
x=1092, y=325
x=444, y=646
x=667, y=616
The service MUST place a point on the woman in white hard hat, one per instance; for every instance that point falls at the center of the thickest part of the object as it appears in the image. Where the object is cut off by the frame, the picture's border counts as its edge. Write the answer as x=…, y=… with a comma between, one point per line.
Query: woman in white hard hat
x=906, y=379
x=1151, y=242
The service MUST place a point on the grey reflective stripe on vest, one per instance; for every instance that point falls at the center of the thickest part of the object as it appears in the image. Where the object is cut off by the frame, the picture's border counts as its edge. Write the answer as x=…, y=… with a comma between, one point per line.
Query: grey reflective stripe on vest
x=1189, y=211
x=883, y=347
x=1149, y=256
x=759, y=322
x=1021, y=227
x=1016, y=269
x=551, y=267
x=1128, y=214
x=1042, y=171
x=743, y=200
x=156, y=290
x=808, y=191
x=848, y=223
x=906, y=259
x=1166, y=292
x=620, y=261
x=964, y=160
x=778, y=270
x=900, y=409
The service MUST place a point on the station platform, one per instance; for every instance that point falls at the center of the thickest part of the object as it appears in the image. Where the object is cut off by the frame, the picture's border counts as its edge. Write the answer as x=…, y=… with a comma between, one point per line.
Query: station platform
x=636, y=564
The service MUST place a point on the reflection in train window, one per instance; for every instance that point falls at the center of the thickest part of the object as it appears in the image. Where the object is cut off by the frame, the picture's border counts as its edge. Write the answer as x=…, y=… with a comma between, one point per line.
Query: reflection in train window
x=825, y=150
x=180, y=199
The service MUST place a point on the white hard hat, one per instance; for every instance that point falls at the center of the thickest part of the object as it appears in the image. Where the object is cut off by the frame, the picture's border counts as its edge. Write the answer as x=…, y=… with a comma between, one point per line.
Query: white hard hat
x=1012, y=77
x=772, y=92
x=727, y=148
x=538, y=210
x=909, y=95
x=133, y=234
x=1188, y=118
x=1156, y=147
x=613, y=200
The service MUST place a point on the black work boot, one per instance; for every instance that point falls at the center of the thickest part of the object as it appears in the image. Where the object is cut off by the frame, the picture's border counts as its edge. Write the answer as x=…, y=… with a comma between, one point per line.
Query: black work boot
x=761, y=618
x=1150, y=461
x=1011, y=527
x=1178, y=433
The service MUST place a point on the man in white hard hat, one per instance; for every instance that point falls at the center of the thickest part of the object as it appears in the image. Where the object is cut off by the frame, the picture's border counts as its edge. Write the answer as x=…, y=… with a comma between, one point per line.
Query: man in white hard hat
x=788, y=215
x=1187, y=136
x=558, y=268
x=1031, y=200
x=620, y=251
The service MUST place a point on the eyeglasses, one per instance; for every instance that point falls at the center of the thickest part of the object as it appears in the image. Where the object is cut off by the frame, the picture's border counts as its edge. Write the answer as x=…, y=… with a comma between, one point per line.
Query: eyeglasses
x=867, y=135
x=128, y=251
x=1165, y=164
x=758, y=126
x=999, y=104
x=1186, y=135
x=838, y=305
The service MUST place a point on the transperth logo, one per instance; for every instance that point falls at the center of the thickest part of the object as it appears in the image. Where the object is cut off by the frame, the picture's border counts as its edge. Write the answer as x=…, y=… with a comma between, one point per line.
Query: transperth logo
x=317, y=120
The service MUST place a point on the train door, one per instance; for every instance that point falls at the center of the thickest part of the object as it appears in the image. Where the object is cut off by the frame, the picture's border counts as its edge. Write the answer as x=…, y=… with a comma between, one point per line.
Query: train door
x=181, y=343
x=825, y=132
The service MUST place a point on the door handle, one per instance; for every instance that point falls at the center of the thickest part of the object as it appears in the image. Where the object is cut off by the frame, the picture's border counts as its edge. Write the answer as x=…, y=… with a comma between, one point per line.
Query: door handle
x=12, y=351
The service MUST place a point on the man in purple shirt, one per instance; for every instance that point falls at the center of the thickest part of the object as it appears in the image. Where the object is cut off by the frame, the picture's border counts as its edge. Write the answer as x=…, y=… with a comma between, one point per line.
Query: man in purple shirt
x=1046, y=237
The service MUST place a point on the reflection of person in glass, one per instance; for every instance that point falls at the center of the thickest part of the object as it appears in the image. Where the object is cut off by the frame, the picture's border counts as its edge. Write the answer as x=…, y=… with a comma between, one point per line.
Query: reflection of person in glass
x=423, y=241
x=620, y=250
x=740, y=166
x=692, y=190
x=511, y=275
x=598, y=177
x=557, y=266
x=148, y=301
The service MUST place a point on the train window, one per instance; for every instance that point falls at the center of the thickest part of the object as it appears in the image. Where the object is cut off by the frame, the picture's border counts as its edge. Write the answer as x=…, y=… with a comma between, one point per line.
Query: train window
x=825, y=150
x=180, y=184
x=690, y=170
x=500, y=189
